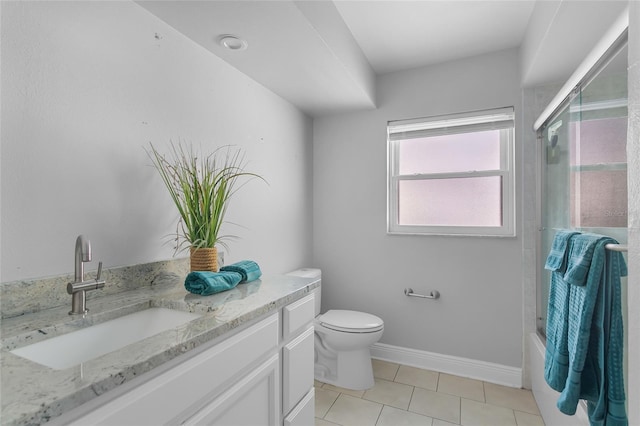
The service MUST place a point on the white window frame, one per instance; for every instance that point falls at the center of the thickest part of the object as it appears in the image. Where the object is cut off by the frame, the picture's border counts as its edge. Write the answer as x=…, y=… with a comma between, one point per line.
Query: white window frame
x=397, y=131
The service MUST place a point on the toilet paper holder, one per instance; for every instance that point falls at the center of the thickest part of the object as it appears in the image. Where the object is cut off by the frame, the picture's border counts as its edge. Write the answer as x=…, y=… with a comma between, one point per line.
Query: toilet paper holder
x=434, y=294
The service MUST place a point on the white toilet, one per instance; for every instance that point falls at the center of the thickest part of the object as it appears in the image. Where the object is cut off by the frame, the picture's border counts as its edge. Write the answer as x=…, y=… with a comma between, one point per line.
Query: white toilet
x=342, y=340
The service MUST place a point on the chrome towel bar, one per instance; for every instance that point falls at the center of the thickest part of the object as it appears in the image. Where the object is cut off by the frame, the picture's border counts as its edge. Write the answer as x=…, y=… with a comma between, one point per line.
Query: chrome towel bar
x=434, y=294
x=611, y=246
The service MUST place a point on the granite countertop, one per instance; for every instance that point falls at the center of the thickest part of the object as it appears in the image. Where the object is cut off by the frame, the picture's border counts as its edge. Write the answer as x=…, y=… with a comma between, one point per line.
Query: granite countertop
x=33, y=394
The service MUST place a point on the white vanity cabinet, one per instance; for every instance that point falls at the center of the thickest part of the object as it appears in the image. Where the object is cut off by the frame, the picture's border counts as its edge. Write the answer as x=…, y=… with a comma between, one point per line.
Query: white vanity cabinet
x=262, y=375
x=298, y=406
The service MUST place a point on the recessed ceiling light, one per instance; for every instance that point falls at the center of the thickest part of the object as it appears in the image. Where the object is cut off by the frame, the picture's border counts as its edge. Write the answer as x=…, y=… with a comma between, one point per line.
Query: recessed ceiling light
x=232, y=42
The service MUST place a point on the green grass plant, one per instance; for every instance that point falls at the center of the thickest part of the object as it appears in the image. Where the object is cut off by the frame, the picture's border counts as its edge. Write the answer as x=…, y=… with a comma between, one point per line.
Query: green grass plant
x=201, y=187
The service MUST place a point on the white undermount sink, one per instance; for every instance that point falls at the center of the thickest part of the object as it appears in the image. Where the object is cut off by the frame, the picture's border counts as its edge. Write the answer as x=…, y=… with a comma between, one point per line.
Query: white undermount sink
x=79, y=346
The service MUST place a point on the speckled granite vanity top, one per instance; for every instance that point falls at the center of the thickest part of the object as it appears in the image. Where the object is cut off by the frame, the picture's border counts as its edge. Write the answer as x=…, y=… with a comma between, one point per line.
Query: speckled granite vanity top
x=33, y=394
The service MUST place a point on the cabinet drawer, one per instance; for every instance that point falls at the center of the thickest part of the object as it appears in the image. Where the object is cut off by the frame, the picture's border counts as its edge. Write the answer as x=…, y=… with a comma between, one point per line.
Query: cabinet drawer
x=173, y=395
x=297, y=315
x=297, y=361
x=304, y=413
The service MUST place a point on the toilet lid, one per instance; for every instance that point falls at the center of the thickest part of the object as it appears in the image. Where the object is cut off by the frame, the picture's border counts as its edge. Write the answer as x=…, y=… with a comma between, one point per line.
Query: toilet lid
x=351, y=321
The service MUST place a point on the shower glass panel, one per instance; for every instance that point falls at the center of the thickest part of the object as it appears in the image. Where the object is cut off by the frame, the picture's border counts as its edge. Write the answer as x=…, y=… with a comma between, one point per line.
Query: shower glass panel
x=584, y=168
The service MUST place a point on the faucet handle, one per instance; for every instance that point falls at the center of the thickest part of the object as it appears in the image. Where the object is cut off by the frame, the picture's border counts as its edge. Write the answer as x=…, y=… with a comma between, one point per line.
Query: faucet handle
x=99, y=271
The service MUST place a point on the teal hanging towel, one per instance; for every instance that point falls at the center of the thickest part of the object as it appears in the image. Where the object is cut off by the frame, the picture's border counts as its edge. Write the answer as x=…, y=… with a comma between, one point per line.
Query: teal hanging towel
x=556, y=366
x=591, y=367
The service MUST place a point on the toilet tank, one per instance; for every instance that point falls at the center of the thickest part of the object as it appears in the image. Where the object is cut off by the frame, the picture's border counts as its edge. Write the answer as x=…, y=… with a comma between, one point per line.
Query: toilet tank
x=310, y=273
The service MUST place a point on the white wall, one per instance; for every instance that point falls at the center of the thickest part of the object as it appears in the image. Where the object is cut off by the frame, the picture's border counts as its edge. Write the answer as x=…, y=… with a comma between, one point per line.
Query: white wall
x=633, y=176
x=479, y=314
x=87, y=85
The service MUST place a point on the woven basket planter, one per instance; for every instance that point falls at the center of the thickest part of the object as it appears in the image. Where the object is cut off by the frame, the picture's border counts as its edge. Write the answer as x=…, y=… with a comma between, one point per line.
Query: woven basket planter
x=204, y=259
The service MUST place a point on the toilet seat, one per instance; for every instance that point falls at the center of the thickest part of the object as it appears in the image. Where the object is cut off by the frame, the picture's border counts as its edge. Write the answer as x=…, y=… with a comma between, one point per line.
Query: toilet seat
x=350, y=321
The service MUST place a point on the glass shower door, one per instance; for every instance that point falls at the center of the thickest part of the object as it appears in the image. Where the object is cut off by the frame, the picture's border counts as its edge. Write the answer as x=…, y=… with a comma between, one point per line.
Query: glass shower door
x=556, y=141
x=584, y=170
x=584, y=166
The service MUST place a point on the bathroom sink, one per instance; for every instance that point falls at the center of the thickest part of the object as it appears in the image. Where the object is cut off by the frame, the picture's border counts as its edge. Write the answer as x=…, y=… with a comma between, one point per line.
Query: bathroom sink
x=79, y=346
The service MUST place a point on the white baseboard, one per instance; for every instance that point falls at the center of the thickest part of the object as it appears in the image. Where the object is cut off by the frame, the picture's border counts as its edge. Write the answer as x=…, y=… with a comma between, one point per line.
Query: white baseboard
x=465, y=367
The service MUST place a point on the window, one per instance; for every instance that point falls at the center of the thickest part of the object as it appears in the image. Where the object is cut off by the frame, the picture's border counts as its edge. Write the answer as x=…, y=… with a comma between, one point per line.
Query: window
x=452, y=175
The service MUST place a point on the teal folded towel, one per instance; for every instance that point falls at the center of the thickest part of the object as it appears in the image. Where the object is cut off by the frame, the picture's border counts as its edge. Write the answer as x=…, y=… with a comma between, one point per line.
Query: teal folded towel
x=557, y=258
x=580, y=258
x=206, y=283
x=249, y=270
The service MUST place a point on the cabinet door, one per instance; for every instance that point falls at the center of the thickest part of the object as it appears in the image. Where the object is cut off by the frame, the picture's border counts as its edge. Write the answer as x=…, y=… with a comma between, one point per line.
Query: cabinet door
x=297, y=362
x=304, y=413
x=175, y=394
x=251, y=401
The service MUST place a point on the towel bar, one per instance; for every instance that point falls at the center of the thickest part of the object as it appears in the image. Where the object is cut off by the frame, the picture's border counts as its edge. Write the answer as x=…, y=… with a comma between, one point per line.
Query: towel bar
x=612, y=247
x=435, y=294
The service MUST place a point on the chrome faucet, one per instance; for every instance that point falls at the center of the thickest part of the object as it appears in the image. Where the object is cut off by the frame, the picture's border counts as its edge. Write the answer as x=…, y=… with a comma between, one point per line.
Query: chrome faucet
x=79, y=287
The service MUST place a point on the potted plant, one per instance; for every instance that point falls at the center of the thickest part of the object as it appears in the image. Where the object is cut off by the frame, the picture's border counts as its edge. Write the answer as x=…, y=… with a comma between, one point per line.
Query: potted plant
x=200, y=187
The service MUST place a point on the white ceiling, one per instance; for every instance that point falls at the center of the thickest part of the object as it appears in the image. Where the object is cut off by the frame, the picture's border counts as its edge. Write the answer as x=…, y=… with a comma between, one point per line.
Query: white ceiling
x=324, y=56
x=399, y=35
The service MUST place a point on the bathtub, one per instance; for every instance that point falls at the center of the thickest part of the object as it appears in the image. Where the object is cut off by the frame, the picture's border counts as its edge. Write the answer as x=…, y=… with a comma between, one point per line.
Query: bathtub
x=547, y=397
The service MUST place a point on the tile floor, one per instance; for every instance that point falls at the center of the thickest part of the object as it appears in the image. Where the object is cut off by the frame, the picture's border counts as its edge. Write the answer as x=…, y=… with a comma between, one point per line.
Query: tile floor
x=411, y=396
